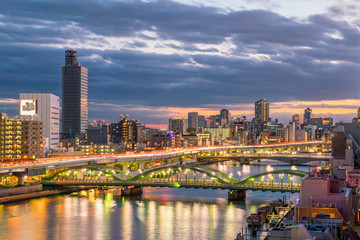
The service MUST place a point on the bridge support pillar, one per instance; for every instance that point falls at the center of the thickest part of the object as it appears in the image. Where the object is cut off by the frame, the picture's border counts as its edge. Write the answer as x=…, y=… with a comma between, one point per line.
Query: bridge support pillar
x=20, y=180
x=236, y=195
x=135, y=191
x=20, y=177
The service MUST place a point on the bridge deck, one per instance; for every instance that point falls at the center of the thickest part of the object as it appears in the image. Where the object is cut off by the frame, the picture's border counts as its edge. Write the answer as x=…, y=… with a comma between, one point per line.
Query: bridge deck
x=180, y=184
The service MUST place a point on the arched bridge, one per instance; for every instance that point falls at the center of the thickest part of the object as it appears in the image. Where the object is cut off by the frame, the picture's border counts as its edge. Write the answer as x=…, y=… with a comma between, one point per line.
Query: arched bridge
x=291, y=158
x=186, y=176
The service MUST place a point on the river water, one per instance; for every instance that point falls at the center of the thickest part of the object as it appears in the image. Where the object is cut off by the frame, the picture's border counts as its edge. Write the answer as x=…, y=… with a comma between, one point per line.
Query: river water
x=161, y=213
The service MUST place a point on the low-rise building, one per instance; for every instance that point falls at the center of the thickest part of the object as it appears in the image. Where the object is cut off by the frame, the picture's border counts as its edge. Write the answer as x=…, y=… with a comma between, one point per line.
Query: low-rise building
x=330, y=191
x=21, y=138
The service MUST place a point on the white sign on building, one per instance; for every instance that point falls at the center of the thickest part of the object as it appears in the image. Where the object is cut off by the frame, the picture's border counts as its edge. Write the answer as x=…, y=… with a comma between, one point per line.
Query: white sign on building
x=28, y=107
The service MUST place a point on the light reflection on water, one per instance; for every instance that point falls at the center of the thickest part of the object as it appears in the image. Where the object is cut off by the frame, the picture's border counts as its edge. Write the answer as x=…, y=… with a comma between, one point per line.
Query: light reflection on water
x=161, y=213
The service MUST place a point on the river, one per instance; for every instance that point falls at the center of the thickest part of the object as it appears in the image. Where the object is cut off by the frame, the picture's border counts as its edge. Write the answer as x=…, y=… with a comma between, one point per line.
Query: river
x=161, y=213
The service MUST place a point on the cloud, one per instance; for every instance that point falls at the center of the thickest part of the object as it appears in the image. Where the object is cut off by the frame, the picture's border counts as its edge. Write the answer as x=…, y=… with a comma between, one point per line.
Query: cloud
x=168, y=56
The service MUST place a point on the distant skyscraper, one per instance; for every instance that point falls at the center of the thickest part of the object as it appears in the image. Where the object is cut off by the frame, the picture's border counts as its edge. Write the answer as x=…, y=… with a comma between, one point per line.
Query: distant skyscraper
x=74, y=95
x=177, y=124
x=125, y=132
x=201, y=121
x=297, y=120
x=261, y=114
x=193, y=120
x=307, y=115
x=224, y=114
x=48, y=109
x=358, y=113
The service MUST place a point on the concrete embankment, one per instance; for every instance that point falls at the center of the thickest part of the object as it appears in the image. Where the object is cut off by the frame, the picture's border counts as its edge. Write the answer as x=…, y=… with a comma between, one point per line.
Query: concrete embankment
x=20, y=190
x=38, y=194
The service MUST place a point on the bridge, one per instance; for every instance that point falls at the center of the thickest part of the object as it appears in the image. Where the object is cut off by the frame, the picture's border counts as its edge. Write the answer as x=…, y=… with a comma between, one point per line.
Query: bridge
x=291, y=158
x=186, y=176
x=134, y=162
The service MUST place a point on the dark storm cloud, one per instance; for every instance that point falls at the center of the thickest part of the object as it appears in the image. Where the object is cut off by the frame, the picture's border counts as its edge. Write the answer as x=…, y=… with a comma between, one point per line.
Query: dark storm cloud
x=270, y=56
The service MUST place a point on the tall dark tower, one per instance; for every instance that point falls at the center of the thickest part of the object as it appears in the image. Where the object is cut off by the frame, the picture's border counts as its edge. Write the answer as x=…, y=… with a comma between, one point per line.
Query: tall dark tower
x=74, y=95
x=224, y=114
x=307, y=115
x=261, y=114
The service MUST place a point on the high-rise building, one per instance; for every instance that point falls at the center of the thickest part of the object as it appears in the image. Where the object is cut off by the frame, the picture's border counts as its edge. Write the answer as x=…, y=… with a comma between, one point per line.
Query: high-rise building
x=358, y=113
x=98, y=135
x=193, y=119
x=201, y=121
x=322, y=122
x=177, y=124
x=46, y=107
x=307, y=115
x=125, y=132
x=21, y=138
x=74, y=95
x=297, y=120
x=261, y=114
x=224, y=114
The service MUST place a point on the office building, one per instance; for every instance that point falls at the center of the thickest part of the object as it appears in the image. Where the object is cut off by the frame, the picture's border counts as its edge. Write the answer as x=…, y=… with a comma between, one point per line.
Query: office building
x=201, y=121
x=21, y=138
x=193, y=120
x=124, y=132
x=281, y=133
x=98, y=135
x=220, y=134
x=177, y=124
x=224, y=114
x=261, y=114
x=307, y=115
x=290, y=132
x=74, y=96
x=47, y=107
x=321, y=123
x=297, y=120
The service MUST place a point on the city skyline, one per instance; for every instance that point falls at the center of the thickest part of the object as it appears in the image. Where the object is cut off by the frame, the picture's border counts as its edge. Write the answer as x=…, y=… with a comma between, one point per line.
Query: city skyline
x=303, y=64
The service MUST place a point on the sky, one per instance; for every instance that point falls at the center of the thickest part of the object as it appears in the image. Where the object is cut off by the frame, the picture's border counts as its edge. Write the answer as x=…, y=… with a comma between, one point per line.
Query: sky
x=157, y=59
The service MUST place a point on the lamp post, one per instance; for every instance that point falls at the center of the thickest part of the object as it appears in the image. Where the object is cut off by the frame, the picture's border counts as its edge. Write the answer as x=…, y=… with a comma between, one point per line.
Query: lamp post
x=239, y=173
x=231, y=178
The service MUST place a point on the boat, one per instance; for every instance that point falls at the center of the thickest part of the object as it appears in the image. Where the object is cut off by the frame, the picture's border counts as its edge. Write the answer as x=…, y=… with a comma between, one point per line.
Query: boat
x=255, y=220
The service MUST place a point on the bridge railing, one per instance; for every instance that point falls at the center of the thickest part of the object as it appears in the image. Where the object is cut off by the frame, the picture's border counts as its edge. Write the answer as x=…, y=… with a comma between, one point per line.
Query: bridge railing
x=207, y=183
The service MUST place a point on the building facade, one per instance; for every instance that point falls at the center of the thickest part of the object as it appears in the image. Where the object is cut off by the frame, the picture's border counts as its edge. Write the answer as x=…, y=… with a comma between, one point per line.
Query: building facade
x=261, y=114
x=307, y=115
x=124, y=132
x=21, y=138
x=74, y=96
x=224, y=114
x=177, y=124
x=47, y=108
x=193, y=120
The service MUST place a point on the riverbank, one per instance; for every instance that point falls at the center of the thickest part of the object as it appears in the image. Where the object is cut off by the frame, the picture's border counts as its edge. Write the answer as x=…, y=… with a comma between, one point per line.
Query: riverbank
x=39, y=194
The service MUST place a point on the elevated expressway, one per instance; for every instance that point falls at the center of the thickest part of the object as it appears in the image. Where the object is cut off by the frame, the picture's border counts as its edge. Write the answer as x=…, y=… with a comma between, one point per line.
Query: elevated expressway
x=133, y=162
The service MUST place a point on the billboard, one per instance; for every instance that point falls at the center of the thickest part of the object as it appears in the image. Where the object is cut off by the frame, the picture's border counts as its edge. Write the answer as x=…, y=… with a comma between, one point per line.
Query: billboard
x=28, y=107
